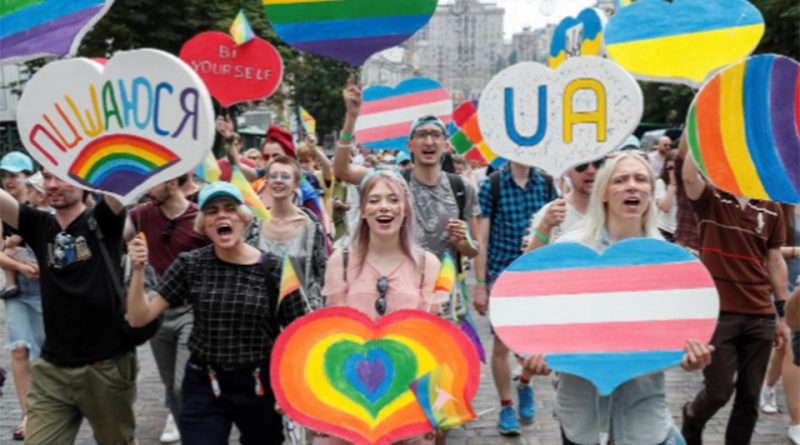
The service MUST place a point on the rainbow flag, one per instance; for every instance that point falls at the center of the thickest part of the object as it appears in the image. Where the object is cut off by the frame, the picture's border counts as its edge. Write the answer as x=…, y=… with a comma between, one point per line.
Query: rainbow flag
x=240, y=29
x=250, y=197
x=470, y=240
x=307, y=120
x=447, y=275
x=208, y=170
x=434, y=393
x=289, y=280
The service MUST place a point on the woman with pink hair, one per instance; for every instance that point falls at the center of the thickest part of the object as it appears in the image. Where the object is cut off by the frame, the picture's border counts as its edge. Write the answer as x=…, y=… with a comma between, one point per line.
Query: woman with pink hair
x=383, y=270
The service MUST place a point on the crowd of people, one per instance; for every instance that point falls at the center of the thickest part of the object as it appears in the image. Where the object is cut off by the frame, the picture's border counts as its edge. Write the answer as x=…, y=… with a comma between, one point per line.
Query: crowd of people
x=192, y=270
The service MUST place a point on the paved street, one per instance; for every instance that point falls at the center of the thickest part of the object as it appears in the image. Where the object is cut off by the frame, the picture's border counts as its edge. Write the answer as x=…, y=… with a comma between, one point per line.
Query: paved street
x=771, y=430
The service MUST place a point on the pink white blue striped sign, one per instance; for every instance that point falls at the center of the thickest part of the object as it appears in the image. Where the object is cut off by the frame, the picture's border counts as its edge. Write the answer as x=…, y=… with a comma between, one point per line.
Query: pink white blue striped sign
x=387, y=113
x=607, y=318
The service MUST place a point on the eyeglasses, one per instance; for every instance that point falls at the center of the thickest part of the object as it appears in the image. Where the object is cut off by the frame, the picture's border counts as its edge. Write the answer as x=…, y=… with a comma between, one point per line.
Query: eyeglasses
x=380, y=304
x=423, y=134
x=166, y=234
x=597, y=164
x=285, y=177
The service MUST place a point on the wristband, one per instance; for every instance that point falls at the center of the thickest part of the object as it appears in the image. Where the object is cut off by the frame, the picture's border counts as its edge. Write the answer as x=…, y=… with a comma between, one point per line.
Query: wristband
x=779, y=308
x=796, y=251
x=480, y=281
x=342, y=145
x=347, y=136
x=541, y=237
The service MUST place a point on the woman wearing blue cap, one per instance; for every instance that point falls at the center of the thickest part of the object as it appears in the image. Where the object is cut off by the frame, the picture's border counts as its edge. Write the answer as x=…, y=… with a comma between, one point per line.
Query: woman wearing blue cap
x=233, y=288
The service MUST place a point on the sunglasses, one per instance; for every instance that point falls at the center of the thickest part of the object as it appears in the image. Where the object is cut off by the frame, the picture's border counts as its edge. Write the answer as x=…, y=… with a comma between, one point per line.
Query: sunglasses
x=597, y=164
x=380, y=304
x=166, y=234
x=267, y=156
x=285, y=177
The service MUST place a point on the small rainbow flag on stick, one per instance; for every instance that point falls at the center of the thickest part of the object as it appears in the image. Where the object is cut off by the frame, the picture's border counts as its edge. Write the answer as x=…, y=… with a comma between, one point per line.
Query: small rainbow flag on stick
x=470, y=240
x=289, y=280
x=250, y=197
x=307, y=121
x=240, y=29
x=208, y=170
x=434, y=393
x=447, y=275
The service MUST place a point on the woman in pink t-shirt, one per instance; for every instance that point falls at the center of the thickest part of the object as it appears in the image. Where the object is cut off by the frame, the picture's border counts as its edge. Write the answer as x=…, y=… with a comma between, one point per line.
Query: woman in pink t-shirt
x=384, y=270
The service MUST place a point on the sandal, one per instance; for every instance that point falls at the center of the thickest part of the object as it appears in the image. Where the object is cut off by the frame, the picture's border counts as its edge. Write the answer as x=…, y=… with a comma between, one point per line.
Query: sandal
x=19, y=431
x=9, y=293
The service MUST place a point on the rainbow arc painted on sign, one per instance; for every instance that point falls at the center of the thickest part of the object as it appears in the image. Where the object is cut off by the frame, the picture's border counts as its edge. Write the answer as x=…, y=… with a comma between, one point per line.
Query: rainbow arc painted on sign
x=118, y=163
x=744, y=129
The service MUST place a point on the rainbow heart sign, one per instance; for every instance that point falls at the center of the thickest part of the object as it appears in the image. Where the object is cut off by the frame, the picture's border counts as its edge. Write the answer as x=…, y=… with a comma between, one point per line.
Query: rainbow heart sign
x=466, y=137
x=744, y=129
x=36, y=28
x=581, y=36
x=683, y=41
x=387, y=113
x=348, y=30
x=606, y=318
x=555, y=119
x=234, y=73
x=120, y=128
x=340, y=373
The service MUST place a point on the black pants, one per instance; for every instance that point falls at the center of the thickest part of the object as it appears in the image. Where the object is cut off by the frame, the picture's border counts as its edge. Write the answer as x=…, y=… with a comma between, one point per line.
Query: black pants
x=206, y=420
x=743, y=344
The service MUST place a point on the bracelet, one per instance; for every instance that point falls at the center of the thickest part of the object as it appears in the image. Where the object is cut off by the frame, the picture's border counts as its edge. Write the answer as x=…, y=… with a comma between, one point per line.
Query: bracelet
x=779, y=308
x=541, y=237
x=341, y=145
x=347, y=136
x=796, y=252
x=480, y=281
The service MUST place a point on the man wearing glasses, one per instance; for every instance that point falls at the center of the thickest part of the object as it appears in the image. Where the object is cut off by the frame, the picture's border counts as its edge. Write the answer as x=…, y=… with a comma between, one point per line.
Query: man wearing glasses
x=168, y=224
x=442, y=202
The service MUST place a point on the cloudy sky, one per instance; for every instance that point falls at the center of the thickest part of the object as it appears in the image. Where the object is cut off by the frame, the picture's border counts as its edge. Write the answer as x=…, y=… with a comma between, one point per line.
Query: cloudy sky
x=520, y=13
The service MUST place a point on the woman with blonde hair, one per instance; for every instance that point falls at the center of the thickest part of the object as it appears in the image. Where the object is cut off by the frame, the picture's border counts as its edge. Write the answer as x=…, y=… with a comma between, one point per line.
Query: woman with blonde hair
x=621, y=207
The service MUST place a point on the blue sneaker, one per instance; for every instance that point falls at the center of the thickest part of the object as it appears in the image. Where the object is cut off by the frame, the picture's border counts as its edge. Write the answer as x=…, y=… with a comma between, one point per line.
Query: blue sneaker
x=527, y=405
x=508, y=424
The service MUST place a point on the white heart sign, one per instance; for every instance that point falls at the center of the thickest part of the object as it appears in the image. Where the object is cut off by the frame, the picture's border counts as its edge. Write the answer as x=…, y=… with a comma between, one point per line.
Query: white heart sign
x=554, y=120
x=143, y=118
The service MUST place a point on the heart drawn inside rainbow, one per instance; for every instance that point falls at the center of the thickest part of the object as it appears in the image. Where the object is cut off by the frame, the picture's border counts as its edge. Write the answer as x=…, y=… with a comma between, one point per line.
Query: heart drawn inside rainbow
x=744, y=129
x=337, y=372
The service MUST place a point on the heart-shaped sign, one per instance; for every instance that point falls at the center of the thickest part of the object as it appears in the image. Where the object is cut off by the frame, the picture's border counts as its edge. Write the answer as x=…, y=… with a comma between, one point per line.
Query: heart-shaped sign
x=387, y=113
x=143, y=118
x=557, y=119
x=338, y=372
x=744, y=129
x=234, y=73
x=30, y=29
x=466, y=137
x=607, y=318
x=683, y=41
x=578, y=36
x=348, y=30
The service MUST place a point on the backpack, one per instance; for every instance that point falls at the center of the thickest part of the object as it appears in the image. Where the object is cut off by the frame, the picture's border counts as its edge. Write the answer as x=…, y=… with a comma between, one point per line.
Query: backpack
x=456, y=185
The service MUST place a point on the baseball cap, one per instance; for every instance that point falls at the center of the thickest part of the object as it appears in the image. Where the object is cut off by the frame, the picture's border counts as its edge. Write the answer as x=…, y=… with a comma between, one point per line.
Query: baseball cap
x=16, y=162
x=402, y=157
x=216, y=190
x=430, y=119
x=631, y=143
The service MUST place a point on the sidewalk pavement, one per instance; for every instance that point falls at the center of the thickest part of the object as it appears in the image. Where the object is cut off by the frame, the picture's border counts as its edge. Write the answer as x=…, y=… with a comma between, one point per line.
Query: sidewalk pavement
x=681, y=386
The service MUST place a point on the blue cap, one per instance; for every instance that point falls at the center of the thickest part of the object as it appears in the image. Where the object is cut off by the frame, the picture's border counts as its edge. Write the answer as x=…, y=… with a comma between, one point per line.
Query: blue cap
x=219, y=189
x=430, y=119
x=402, y=157
x=16, y=162
x=632, y=142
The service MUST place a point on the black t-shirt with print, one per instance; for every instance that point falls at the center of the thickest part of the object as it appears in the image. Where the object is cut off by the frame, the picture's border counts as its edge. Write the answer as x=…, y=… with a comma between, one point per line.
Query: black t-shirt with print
x=79, y=316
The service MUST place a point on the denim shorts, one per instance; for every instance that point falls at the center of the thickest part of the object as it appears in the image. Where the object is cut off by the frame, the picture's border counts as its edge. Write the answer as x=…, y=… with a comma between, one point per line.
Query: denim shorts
x=24, y=318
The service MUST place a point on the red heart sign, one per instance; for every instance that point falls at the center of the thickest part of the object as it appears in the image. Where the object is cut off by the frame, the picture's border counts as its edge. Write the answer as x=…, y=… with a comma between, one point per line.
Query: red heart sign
x=234, y=73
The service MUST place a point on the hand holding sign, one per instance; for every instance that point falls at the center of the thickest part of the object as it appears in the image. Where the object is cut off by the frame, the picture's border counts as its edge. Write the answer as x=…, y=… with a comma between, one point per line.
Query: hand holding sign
x=142, y=119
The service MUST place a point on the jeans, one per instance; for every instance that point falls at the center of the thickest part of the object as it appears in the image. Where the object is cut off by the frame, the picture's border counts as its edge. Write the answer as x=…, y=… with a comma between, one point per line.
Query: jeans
x=170, y=348
x=743, y=344
x=207, y=420
x=24, y=316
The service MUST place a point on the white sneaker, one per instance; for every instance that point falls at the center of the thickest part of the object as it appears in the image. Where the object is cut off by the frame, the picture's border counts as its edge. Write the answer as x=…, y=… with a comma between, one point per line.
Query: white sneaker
x=794, y=434
x=171, y=433
x=769, y=403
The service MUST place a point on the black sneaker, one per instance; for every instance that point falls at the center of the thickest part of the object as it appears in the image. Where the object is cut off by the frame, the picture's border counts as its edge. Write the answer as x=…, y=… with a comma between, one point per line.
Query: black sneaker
x=691, y=433
x=9, y=293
